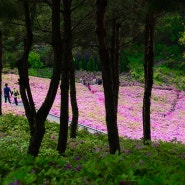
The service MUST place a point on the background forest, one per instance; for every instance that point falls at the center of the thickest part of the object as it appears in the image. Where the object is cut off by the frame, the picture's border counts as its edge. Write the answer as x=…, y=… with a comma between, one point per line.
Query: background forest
x=169, y=40
x=126, y=43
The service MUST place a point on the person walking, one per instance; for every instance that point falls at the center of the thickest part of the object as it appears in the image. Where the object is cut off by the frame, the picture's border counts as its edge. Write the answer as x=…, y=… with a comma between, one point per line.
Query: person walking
x=99, y=81
x=88, y=86
x=7, y=93
x=15, y=94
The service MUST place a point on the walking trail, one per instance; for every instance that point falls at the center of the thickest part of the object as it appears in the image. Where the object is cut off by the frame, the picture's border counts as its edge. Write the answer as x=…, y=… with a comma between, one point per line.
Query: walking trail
x=56, y=119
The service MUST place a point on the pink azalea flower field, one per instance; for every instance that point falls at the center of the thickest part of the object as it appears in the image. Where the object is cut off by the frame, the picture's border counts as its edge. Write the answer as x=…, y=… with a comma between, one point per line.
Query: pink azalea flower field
x=167, y=108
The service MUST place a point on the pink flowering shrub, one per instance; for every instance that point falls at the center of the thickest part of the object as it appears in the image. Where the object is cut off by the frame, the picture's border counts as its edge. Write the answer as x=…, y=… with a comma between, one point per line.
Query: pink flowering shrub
x=167, y=108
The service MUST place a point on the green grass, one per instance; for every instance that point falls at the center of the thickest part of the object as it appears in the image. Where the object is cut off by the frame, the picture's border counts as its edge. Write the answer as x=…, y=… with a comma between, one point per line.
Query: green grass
x=171, y=77
x=41, y=72
x=87, y=160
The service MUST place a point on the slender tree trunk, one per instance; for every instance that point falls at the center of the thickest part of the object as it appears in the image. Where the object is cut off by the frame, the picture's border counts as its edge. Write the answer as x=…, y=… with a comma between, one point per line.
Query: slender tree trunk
x=23, y=72
x=37, y=120
x=1, y=69
x=42, y=113
x=148, y=73
x=111, y=116
x=117, y=65
x=115, y=59
x=74, y=105
x=112, y=57
x=64, y=111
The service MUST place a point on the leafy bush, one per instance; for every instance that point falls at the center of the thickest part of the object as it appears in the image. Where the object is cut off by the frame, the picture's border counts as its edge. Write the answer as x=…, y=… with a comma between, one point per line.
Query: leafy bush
x=10, y=59
x=34, y=60
x=124, y=62
x=163, y=75
x=136, y=66
x=163, y=51
x=46, y=55
x=169, y=29
x=175, y=64
x=91, y=65
x=87, y=160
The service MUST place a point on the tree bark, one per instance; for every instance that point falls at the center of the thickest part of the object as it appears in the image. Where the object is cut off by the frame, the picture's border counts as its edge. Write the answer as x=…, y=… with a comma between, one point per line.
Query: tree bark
x=23, y=72
x=115, y=59
x=110, y=108
x=1, y=69
x=37, y=120
x=148, y=74
x=74, y=105
x=64, y=110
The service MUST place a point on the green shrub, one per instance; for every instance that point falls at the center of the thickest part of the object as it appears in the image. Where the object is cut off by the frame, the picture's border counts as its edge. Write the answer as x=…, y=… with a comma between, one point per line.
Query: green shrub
x=124, y=62
x=46, y=55
x=34, y=60
x=136, y=66
x=10, y=59
x=91, y=65
x=163, y=51
x=87, y=160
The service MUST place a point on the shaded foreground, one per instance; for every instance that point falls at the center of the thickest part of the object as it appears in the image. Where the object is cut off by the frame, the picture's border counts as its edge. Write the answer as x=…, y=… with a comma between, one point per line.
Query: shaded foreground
x=87, y=159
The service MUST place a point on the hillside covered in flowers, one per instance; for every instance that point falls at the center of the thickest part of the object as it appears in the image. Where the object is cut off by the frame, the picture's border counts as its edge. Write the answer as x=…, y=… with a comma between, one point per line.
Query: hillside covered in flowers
x=167, y=108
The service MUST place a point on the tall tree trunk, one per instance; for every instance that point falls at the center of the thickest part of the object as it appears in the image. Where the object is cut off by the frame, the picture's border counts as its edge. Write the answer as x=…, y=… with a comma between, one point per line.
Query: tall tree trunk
x=115, y=59
x=111, y=116
x=148, y=74
x=42, y=113
x=64, y=110
x=23, y=72
x=74, y=105
x=1, y=69
x=37, y=120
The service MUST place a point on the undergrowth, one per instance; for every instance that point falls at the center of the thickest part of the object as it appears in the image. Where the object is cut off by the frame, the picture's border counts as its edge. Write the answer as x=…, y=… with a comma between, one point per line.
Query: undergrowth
x=87, y=159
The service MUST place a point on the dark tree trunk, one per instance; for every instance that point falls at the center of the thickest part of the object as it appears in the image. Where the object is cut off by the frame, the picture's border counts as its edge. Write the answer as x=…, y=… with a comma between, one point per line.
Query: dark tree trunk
x=1, y=69
x=148, y=74
x=64, y=111
x=115, y=59
x=37, y=120
x=74, y=105
x=23, y=72
x=107, y=76
x=42, y=113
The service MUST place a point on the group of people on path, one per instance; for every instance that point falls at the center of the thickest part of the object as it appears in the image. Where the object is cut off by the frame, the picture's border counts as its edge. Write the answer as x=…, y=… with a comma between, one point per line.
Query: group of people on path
x=93, y=80
x=90, y=81
x=8, y=93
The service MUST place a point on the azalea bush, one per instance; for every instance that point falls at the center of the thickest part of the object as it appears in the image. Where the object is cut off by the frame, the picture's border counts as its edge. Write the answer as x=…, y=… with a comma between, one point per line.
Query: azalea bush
x=87, y=159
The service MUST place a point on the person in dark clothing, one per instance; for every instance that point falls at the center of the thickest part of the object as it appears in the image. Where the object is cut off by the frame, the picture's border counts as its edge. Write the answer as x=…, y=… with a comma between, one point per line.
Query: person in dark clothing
x=99, y=81
x=7, y=93
x=88, y=86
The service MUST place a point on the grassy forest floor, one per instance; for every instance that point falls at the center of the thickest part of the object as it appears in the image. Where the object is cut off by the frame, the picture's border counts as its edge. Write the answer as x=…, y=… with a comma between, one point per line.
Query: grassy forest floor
x=87, y=160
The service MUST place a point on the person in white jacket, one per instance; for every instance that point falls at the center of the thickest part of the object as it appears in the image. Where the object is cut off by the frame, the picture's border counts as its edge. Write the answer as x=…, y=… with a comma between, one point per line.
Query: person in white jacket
x=15, y=94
